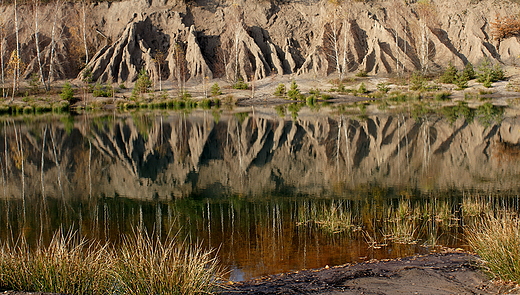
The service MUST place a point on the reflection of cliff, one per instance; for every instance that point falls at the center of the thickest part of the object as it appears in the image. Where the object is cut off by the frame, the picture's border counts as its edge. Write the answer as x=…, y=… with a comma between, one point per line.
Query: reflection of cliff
x=177, y=154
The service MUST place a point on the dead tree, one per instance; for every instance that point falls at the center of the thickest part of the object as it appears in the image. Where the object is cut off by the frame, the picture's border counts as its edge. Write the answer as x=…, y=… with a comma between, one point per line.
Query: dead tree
x=37, y=43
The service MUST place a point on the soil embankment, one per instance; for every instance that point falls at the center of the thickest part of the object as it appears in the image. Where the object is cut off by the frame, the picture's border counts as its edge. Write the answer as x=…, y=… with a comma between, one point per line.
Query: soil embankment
x=207, y=39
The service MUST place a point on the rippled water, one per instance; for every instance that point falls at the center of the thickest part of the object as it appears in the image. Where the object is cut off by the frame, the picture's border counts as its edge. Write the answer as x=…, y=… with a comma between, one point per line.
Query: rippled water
x=271, y=193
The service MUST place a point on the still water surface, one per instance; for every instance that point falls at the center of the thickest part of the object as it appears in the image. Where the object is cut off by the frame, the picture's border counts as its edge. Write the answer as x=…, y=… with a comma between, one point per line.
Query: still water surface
x=271, y=193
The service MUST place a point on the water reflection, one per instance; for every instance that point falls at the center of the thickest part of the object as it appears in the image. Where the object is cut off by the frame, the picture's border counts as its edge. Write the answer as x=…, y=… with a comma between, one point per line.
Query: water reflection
x=273, y=194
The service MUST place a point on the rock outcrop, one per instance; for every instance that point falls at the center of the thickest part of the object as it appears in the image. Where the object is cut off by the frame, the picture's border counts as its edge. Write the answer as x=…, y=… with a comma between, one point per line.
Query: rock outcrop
x=252, y=40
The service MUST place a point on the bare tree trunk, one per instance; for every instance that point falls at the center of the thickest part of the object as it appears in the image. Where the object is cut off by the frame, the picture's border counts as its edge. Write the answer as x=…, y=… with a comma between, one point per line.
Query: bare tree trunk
x=2, y=48
x=424, y=47
x=334, y=37
x=53, y=41
x=237, y=73
x=16, y=74
x=85, y=32
x=57, y=163
x=19, y=144
x=89, y=169
x=43, y=162
x=37, y=41
x=345, y=58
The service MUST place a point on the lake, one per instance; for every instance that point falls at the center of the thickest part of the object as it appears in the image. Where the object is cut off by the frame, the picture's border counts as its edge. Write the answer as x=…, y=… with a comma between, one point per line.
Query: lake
x=271, y=191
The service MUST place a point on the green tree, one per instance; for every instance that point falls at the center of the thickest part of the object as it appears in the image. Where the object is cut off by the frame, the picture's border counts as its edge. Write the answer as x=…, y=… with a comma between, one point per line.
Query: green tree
x=294, y=92
x=67, y=93
x=143, y=84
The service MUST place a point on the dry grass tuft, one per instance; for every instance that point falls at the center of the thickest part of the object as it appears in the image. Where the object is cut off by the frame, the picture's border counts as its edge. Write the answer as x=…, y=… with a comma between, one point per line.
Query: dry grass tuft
x=142, y=265
x=497, y=241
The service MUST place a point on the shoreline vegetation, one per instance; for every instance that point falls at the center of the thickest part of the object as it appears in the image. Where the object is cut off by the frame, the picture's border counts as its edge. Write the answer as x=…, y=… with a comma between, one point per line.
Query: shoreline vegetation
x=446, y=93
x=143, y=264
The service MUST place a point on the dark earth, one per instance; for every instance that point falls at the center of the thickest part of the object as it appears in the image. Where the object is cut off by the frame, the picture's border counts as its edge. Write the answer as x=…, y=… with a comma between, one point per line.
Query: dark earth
x=439, y=273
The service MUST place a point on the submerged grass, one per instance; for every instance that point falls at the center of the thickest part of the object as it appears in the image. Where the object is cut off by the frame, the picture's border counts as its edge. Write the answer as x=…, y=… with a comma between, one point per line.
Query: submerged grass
x=141, y=265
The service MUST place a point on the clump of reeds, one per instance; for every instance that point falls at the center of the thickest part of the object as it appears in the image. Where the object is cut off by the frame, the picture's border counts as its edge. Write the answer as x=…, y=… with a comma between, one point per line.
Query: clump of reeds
x=149, y=266
x=67, y=265
x=497, y=241
x=141, y=265
x=335, y=219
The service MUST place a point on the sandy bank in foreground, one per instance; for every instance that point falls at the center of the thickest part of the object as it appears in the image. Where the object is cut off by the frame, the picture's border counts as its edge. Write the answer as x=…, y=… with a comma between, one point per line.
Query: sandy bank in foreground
x=438, y=273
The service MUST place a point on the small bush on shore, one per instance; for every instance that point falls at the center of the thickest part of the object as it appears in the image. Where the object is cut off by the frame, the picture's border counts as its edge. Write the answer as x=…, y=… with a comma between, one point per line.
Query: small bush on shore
x=240, y=85
x=67, y=93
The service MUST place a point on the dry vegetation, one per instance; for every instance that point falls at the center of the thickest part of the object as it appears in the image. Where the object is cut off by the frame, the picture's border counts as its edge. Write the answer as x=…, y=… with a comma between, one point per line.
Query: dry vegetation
x=505, y=27
x=142, y=265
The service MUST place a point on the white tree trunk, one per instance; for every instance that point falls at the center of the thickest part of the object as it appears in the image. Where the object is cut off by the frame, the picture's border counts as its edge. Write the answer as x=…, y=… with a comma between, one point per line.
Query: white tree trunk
x=85, y=33
x=37, y=41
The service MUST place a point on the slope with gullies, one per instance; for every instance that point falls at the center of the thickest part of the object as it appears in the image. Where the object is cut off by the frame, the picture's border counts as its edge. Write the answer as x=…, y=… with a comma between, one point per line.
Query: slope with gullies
x=256, y=39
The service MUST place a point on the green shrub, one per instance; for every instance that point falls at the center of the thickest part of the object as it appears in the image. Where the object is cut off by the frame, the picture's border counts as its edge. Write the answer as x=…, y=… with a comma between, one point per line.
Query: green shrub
x=205, y=103
x=102, y=91
x=442, y=96
x=325, y=96
x=67, y=93
x=469, y=72
x=383, y=87
x=241, y=85
x=294, y=92
x=311, y=100
x=362, y=89
x=418, y=82
x=362, y=73
x=461, y=81
x=185, y=95
x=215, y=90
x=488, y=73
x=449, y=75
x=143, y=84
x=280, y=90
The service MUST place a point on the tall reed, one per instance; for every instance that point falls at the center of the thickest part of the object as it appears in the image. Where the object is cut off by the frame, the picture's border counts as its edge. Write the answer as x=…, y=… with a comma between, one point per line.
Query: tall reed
x=141, y=265
x=496, y=239
x=149, y=266
x=67, y=265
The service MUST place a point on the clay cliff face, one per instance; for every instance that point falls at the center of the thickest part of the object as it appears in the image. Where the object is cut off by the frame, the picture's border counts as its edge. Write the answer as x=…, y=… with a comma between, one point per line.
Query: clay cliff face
x=255, y=39
x=178, y=155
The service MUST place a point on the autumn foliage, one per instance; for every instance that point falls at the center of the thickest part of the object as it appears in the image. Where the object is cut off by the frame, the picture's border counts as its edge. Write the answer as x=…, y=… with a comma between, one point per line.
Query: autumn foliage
x=505, y=27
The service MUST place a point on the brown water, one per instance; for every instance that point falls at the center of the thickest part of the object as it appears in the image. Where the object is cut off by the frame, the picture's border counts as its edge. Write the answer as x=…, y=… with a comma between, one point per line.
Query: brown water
x=271, y=194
